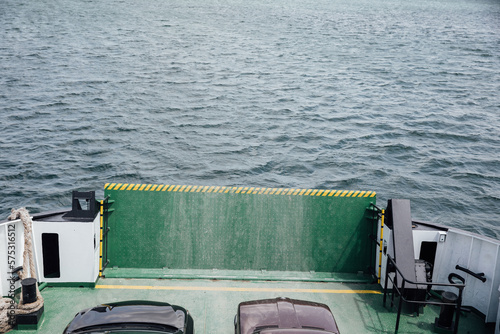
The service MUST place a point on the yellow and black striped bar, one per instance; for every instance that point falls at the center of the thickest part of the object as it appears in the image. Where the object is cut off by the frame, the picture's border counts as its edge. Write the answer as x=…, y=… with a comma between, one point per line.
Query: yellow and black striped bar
x=101, y=239
x=238, y=190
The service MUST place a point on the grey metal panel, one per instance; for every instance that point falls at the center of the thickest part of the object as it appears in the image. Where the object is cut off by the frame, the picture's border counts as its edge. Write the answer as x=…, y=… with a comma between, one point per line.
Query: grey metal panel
x=400, y=218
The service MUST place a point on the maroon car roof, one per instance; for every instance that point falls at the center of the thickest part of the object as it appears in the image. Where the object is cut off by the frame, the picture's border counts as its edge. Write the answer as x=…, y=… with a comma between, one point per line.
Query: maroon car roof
x=281, y=313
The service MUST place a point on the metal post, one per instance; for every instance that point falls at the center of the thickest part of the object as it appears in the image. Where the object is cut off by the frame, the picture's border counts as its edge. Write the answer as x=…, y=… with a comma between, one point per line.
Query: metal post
x=459, y=304
x=394, y=286
x=385, y=285
x=400, y=306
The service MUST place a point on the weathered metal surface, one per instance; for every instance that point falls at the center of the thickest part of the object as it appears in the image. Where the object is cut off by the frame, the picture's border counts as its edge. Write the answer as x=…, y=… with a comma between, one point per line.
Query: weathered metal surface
x=189, y=227
x=259, y=275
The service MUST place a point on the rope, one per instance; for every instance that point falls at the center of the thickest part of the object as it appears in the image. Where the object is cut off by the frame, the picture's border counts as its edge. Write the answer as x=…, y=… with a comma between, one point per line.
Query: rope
x=5, y=307
x=24, y=215
x=28, y=261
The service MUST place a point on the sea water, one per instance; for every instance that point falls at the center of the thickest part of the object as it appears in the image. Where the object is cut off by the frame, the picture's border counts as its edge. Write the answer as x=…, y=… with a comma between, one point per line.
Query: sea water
x=398, y=97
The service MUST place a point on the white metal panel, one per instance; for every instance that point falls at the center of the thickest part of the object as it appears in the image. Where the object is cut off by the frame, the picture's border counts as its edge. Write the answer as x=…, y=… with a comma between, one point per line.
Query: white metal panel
x=471, y=251
x=478, y=254
x=97, y=237
x=77, y=254
x=5, y=270
x=494, y=308
x=387, y=248
x=482, y=260
x=456, y=250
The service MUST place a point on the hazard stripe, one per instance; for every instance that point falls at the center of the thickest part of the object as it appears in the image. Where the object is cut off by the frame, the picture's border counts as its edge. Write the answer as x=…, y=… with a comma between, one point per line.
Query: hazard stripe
x=239, y=190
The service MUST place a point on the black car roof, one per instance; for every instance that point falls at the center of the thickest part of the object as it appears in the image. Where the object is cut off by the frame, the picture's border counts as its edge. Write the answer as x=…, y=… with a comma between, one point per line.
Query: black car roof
x=129, y=312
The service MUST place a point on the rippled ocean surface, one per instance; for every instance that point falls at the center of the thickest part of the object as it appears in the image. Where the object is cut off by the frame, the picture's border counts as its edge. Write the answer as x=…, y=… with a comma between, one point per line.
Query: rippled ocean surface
x=394, y=96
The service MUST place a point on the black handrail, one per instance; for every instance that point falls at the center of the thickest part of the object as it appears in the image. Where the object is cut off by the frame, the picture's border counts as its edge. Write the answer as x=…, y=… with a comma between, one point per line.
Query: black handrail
x=479, y=276
x=401, y=294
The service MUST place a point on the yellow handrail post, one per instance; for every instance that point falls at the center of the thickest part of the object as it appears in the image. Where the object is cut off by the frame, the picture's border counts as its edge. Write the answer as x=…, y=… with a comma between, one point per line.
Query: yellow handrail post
x=381, y=244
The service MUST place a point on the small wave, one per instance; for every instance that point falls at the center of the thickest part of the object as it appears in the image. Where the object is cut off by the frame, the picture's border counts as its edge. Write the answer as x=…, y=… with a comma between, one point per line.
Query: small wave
x=326, y=96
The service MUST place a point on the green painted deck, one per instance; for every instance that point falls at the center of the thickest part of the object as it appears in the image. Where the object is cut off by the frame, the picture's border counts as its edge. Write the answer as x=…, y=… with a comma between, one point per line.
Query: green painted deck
x=357, y=307
x=238, y=228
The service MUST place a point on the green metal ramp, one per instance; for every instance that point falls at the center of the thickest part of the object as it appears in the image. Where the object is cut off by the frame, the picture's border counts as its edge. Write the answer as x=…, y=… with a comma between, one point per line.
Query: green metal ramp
x=174, y=227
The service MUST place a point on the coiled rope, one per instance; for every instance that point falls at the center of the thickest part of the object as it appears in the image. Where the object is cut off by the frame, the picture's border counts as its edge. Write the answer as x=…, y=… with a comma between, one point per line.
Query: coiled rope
x=28, y=261
x=5, y=325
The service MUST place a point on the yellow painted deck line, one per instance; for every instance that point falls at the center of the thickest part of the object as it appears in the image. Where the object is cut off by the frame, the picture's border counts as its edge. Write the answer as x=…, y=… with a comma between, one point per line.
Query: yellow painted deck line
x=231, y=289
